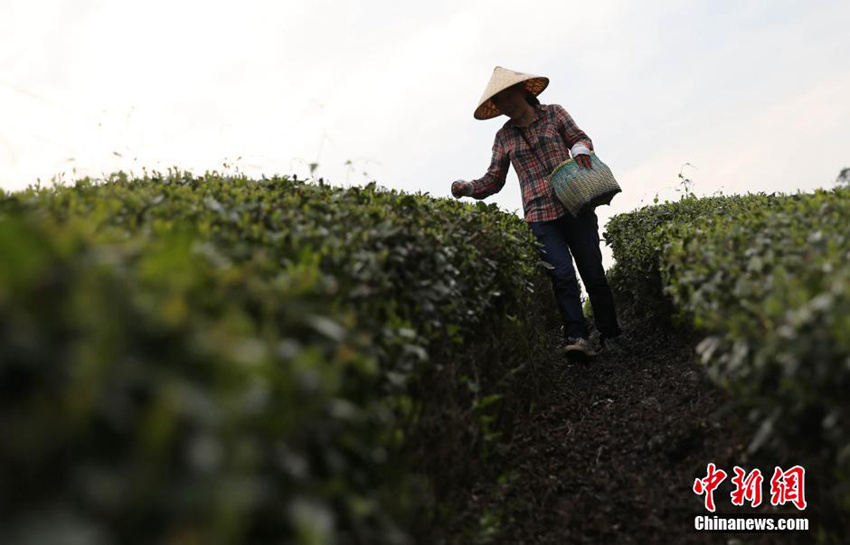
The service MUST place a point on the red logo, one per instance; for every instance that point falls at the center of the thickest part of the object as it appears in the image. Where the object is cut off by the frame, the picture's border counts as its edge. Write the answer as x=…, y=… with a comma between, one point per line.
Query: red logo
x=747, y=487
x=709, y=484
x=788, y=486
x=785, y=486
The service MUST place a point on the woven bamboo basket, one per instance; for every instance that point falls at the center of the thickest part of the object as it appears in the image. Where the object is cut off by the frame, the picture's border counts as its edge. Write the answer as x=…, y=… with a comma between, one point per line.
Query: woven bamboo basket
x=581, y=189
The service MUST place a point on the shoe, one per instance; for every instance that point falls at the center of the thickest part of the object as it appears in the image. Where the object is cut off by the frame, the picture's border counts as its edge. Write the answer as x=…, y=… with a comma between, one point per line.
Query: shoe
x=578, y=348
x=613, y=345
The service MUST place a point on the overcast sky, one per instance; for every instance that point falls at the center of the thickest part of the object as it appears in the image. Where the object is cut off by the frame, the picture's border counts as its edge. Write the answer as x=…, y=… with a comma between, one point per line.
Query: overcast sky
x=754, y=94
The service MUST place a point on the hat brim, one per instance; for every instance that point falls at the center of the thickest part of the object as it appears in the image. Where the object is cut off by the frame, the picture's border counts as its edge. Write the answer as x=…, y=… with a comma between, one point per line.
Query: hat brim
x=488, y=110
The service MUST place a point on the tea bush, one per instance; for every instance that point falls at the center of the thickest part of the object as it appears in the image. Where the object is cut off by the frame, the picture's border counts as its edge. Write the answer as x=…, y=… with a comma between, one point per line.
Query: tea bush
x=767, y=279
x=638, y=240
x=217, y=359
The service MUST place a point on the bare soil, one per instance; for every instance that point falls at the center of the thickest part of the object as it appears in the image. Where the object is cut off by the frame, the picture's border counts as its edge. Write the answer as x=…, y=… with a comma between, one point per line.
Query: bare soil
x=612, y=452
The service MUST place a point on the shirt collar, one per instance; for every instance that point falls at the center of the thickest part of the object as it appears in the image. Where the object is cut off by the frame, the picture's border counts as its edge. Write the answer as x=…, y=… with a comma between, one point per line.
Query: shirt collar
x=537, y=108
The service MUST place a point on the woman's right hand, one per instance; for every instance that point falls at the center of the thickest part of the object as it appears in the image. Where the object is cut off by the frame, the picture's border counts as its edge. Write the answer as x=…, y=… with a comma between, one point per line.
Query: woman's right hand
x=461, y=188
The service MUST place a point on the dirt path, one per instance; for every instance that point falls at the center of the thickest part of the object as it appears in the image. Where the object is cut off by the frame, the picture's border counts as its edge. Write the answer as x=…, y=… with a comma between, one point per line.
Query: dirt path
x=613, y=457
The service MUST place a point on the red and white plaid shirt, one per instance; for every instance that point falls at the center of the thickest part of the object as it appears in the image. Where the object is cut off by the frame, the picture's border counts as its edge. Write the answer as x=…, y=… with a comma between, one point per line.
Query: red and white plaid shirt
x=547, y=134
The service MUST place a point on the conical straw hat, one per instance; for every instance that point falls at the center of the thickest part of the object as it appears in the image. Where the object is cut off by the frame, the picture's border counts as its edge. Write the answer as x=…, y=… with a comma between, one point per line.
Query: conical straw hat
x=501, y=79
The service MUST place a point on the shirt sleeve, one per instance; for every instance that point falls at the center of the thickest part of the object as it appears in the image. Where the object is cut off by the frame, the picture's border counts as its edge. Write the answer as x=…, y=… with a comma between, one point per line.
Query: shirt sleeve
x=494, y=180
x=575, y=137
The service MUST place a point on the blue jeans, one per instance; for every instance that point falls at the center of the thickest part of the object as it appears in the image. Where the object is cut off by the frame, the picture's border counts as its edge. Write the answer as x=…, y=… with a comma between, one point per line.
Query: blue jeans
x=566, y=238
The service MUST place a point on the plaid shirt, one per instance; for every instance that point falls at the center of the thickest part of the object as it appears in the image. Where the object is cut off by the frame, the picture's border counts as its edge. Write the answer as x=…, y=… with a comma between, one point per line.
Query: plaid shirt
x=547, y=133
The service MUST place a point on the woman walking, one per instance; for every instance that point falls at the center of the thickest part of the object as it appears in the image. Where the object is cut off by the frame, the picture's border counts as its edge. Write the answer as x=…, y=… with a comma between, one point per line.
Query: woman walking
x=536, y=139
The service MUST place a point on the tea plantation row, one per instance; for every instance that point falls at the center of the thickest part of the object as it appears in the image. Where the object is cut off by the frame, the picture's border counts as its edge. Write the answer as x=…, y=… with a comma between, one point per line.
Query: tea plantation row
x=219, y=360
x=767, y=279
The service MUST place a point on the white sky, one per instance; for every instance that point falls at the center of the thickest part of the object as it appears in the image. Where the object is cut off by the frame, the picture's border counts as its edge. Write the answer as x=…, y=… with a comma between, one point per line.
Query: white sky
x=755, y=94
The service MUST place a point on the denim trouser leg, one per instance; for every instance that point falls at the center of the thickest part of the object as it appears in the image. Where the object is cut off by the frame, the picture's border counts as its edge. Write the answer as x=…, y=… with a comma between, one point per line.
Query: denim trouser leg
x=556, y=253
x=564, y=239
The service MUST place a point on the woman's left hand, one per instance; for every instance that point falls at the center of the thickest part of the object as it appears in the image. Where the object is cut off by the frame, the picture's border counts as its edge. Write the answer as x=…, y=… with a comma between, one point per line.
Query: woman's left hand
x=584, y=161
